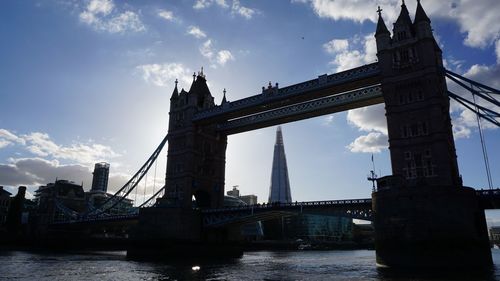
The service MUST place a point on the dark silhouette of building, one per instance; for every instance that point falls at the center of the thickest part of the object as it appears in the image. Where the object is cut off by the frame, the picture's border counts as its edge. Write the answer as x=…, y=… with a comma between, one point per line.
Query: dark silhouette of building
x=15, y=214
x=423, y=216
x=57, y=201
x=4, y=205
x=100, y=177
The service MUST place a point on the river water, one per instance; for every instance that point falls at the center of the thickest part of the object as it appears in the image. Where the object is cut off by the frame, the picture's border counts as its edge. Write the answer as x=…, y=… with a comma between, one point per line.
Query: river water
x=264, y=265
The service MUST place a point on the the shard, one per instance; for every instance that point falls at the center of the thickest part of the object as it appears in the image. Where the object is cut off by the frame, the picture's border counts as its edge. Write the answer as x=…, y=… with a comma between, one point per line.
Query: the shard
x=279, y=191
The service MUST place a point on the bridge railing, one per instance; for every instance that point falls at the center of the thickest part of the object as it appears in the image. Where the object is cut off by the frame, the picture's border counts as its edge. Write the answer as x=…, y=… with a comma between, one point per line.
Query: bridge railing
x=266, y=206
x=275, y=93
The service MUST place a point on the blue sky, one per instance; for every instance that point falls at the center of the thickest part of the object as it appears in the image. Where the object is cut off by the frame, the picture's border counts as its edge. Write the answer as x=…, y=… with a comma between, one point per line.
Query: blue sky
x=89, y=81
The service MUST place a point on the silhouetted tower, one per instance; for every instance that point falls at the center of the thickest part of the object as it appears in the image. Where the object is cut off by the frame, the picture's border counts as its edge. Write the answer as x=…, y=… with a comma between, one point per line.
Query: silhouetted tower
x=196, y=153
x=100, y=177
x=422, y=210
x=416, y=99
x=279, y=191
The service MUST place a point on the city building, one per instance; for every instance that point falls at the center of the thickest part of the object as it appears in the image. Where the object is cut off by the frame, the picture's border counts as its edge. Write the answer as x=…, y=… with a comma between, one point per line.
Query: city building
x=60, y=200
x=235, y=192
x=249, y=199
x=100, y=177
x=4, y=204
x=279, y=191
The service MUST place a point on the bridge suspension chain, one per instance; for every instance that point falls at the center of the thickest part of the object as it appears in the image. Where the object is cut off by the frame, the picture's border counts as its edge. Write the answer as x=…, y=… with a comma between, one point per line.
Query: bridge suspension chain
x=124, y=191
x=486, y=94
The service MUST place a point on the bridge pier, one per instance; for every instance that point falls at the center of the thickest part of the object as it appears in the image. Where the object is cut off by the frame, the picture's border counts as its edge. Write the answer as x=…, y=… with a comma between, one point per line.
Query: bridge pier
x=429, y=227
x=173, y=232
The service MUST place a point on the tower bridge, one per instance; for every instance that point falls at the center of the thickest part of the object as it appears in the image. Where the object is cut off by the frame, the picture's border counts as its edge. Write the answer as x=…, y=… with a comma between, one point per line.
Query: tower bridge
x=422, y=213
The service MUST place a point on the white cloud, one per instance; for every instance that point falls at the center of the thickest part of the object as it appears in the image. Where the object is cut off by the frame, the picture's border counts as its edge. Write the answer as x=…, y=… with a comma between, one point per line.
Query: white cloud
x=102, y=16
x=202, y=4
x=7, y=138
x=328, y=120
x=336, y=45
x=196, y=32
x=224, y=56
x=373, y=142
x=477, y=19
x=370, y=118
x=206, y=49
x=40, y=144
x=464, y=120
x=100, y=7
x=38, y=171
x=167, y=15
x=245, y=12
x=497, y=50
x=236, y=7
x=165, y=74
x=216, y=57
x=352, y=52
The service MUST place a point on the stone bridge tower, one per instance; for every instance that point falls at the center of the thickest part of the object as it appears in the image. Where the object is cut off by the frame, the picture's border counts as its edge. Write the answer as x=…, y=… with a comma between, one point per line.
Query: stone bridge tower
x=423, y=215
x=196, y=154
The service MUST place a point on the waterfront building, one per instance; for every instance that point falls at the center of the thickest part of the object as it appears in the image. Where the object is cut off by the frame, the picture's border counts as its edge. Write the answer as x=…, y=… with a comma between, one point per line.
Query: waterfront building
x=234, y=192
x=58, y=200
x=100, y=177
x=279, y=191
x=248, y=199
x=4, y=204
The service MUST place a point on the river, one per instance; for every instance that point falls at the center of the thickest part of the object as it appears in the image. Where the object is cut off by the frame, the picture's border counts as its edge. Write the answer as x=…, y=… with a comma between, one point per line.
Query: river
x=263, y=265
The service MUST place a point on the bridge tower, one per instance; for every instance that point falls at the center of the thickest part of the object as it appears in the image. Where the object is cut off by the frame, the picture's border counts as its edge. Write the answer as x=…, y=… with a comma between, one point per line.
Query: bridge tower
x=196, y=153
x=423, y=215
x=195, y=170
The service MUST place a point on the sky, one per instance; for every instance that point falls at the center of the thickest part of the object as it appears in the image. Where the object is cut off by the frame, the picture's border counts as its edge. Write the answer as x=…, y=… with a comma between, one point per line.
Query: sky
x=89, y=81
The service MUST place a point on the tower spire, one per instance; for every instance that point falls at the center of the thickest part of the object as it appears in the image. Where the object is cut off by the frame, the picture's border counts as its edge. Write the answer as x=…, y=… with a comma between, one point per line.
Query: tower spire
x=420, y=15
x=381, y=27
x=224, y=100
x=175, y=94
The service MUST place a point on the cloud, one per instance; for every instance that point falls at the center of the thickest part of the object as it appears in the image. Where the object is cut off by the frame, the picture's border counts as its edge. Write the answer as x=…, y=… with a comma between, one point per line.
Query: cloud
x=465, y=121
x=477, y=19
x=38, y=171
x=165, y=74
x=497, y=51
x=40, y=144
x=102, y=16
x=336, y=45
x=196, y=32
x=374, y=142
x=167, y=15
x=372, y=120
x=236, y=7
x=202, y=4
x=8, y=138
x=352, y=52
x=245, y=12
x=216, y=57
x=224, y=56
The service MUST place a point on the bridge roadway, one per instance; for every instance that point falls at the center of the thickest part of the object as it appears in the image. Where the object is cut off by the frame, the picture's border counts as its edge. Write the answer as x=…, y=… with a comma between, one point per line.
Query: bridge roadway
x=353, y=208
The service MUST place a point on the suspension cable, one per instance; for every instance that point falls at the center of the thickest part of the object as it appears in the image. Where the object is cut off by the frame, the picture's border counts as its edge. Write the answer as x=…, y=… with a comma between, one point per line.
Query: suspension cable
x=483, y=143
x=154, y=178
x=145, y=186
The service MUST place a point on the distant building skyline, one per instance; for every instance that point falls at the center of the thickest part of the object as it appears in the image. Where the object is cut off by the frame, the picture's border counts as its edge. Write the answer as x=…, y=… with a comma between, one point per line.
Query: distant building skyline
x=279, y=191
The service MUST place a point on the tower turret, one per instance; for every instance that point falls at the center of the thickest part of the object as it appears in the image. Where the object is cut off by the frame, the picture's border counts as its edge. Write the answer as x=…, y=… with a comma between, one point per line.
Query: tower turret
x=382, y=35
x=403, y=27
x=422, y=23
